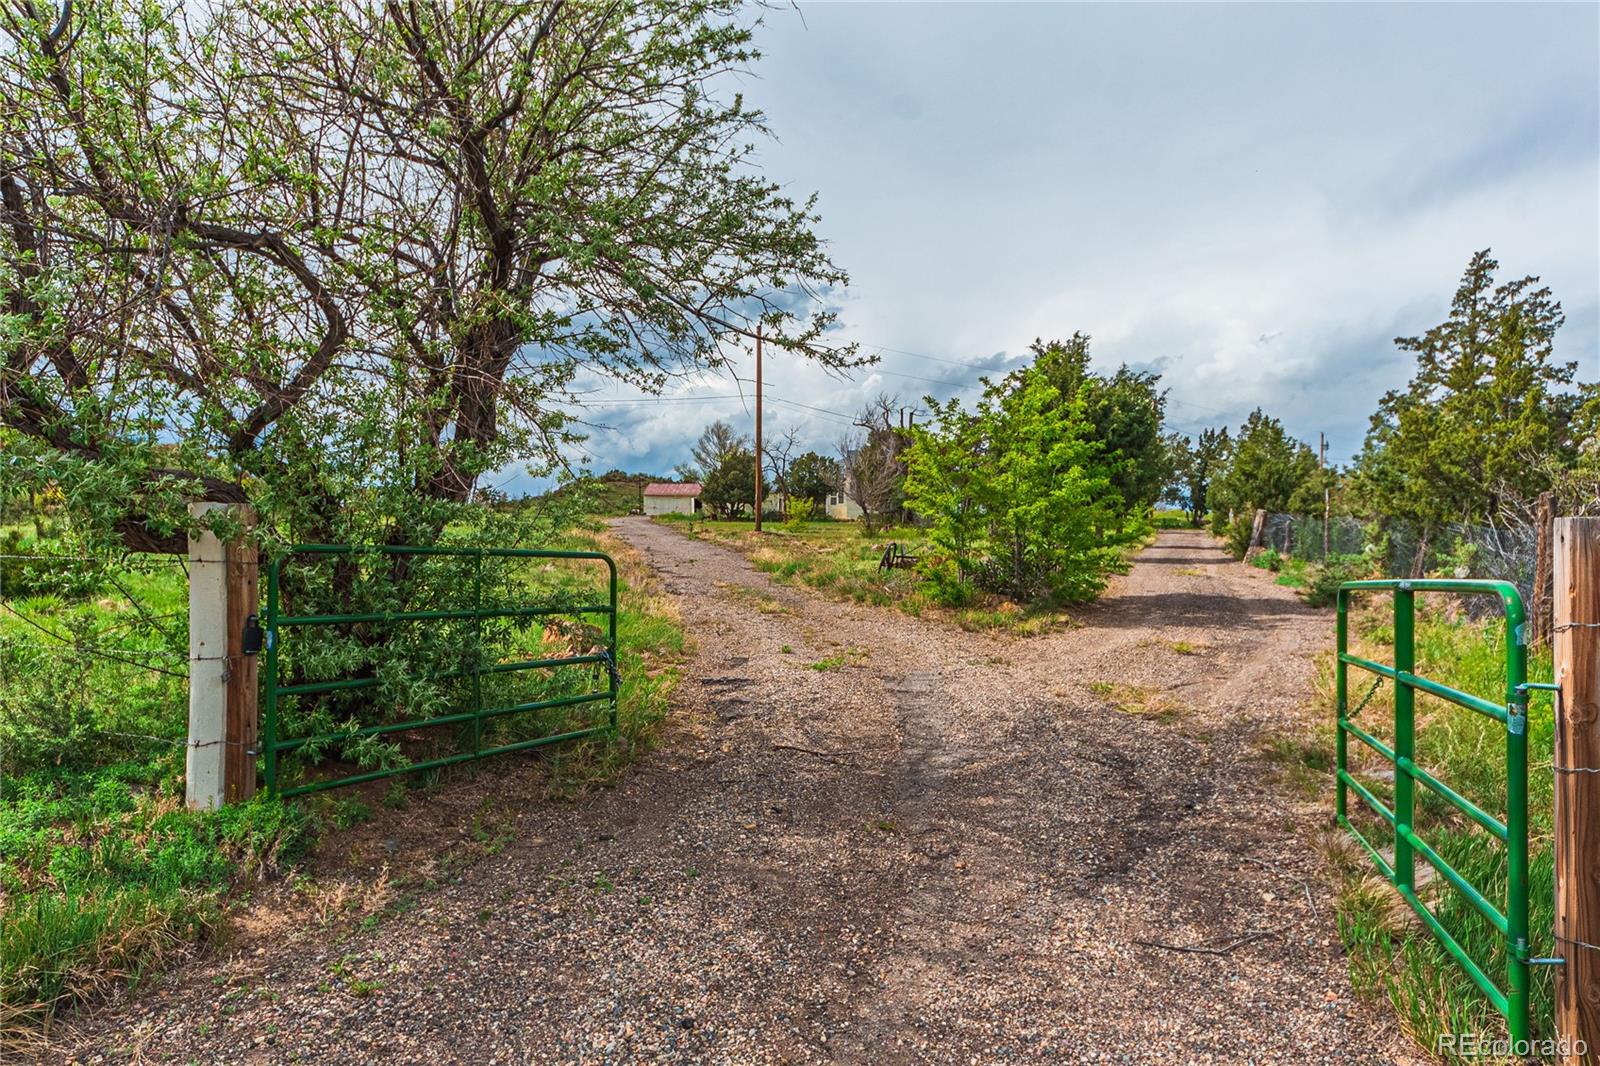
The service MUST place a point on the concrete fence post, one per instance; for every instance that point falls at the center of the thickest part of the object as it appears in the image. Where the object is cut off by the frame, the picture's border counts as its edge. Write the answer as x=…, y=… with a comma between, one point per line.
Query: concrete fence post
x=220, y=764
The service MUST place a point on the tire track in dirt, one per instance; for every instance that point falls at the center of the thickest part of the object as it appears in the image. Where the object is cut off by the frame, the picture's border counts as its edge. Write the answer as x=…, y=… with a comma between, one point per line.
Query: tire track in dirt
x=946, y=850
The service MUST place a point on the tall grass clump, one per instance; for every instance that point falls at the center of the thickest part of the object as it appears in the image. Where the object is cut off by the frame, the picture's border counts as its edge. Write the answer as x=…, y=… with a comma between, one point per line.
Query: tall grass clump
x=1391, y=953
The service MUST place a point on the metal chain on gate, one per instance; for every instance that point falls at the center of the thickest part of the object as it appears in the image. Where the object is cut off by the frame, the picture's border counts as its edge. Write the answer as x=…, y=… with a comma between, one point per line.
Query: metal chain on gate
x=1377, y=684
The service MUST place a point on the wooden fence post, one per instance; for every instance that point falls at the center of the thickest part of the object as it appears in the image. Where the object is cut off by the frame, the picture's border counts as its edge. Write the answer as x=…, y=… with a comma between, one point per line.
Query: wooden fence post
x=1577, y=791
x=1258, y=532
x=243, y=721
x=222, y=678
x=1539, y=606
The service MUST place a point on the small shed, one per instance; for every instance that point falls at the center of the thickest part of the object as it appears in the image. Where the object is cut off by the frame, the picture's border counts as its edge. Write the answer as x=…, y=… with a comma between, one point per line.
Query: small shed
x=671, y=498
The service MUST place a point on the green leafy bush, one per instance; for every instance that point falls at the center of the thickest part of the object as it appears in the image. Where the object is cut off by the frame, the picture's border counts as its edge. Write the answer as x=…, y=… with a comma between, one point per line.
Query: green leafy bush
x=1019, y=495
x=801, y=511
x=1237, y=533
x=30, y=567
x=1323, y=580
x=1268, y=560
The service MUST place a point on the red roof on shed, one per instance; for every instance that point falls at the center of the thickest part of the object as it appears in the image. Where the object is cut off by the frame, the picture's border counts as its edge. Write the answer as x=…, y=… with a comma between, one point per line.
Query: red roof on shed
x=671, y=489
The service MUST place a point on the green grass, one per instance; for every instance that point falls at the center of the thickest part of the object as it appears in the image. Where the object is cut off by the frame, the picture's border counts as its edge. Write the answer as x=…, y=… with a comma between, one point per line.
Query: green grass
x=1316, y=581
x=1390, y=953
x=103, y=874
x=840, y=560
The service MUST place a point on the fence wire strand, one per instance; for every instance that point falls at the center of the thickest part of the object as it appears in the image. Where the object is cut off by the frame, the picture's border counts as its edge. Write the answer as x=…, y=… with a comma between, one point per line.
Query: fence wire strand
x=78, y=632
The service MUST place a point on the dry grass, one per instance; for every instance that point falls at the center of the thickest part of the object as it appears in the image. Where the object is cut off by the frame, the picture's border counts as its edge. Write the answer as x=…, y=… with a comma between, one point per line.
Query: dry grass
x=1141, y=700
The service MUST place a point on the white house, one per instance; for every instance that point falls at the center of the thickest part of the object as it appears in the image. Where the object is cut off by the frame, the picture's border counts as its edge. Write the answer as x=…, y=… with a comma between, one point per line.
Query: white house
x=671, y=498
x=840, y=504
x=842, y=507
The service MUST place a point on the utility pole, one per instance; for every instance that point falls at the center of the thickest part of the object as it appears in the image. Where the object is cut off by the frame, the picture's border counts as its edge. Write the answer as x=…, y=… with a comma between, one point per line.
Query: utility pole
x=1327, y=501
x=758, y=427
x=1577, y=792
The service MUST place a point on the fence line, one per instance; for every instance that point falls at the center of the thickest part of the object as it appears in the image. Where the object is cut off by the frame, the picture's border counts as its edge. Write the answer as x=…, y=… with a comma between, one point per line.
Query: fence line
x=94, y=660
x=1395, y=547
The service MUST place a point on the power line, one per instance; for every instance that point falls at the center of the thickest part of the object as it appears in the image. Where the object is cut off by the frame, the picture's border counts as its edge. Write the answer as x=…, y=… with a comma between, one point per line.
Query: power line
x=932, y=358
x=839, y=415
x=932, y=381
x=657, y=399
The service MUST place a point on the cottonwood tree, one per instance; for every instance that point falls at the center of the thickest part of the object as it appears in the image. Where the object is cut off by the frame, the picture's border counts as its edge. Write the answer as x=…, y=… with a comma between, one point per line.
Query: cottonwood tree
x=872, y=470
x=729, y=488
x=717, y=442
x=335, y=258
x=778, y=455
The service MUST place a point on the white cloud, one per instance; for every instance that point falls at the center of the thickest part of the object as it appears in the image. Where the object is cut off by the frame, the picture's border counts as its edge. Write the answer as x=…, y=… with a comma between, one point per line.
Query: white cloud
x=1181, y=182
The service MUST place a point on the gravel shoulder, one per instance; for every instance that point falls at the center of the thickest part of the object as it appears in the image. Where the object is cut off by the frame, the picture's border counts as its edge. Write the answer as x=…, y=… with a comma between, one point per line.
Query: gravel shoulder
x=870, y=838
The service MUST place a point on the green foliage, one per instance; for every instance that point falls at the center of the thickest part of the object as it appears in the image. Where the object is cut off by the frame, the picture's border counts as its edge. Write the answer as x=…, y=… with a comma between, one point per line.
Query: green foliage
x=1487, y=403
x=612, y=493
x=716, y=446
x=1018, y=495
x=729, y=490
x=1194, y=465
x=1237, y=531
x=84, y=681
x=1268, y=560
x=802, y=509
x=1123, y=412
x=1323, y=579
x=102, y=872
x=249, y=255
x=36, y=566
x=100, y=877
x=1266, y=469
x=813, y=477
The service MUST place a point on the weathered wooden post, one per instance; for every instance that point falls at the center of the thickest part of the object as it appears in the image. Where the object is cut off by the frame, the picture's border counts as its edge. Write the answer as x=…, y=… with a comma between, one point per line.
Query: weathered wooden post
x=1576, y=636
x=1258, y=533
x=219, y=767
x=1539, y=605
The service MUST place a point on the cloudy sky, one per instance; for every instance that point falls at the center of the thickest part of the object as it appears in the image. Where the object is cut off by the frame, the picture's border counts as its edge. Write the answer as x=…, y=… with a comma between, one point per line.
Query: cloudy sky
x=1253, y=200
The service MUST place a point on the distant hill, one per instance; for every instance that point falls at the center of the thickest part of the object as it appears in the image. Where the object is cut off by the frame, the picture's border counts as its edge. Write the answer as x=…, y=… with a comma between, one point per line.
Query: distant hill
x=612, y=493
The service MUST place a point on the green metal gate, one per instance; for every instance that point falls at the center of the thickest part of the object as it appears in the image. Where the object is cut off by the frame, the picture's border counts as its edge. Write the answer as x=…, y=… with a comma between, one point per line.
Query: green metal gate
x=1512, y=922
x=475, y=668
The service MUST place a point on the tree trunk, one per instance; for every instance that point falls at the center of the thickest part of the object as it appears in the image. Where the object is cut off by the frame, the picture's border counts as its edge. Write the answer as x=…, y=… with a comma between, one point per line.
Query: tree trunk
x=485, y=354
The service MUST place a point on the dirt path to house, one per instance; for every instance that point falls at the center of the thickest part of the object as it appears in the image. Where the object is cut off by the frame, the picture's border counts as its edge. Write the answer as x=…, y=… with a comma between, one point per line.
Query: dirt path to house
x=884, y=841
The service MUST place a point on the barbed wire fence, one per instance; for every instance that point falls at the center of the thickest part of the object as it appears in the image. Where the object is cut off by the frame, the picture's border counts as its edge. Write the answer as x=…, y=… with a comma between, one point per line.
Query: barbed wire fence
x=94, y=660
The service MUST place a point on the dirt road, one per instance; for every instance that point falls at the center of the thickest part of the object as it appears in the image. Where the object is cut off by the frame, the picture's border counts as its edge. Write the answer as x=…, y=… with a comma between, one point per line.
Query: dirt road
x=886, y=841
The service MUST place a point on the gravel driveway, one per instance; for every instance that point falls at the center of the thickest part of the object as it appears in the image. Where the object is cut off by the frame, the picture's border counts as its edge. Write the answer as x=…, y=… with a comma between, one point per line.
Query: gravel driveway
x=880, y=840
